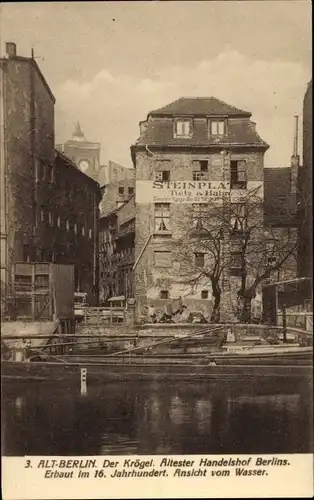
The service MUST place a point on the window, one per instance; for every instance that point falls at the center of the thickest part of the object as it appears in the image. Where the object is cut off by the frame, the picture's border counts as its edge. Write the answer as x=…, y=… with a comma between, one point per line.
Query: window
x=90, y=234
x=121, y=190
x=162, y=175
x=204, y=294
x=200, y=170
x=162, y=216
x=42, y=213
x=50, y=173
x=236, y=263
x=182, y=128
x=75, y=228
x=164, y=294
x=238, y=174
x=199, y=259
x=131, y=190
x=238, y=216
x=37, y=170
x=59, y=221
x=50, y=218
x=26, y=257
x=67, y=225
x=271, y=258
x=82, y=230
x=217, y=127
x=162, y=258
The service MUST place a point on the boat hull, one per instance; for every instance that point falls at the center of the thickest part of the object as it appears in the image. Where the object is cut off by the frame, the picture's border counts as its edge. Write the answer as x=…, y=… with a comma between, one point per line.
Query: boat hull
x=130, y=369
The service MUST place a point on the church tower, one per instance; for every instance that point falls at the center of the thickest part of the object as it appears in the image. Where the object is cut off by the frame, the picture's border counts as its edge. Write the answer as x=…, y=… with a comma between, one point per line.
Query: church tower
x=85, y=154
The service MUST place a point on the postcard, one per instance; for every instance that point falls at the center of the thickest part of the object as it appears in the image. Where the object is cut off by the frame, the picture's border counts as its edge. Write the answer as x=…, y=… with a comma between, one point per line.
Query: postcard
x=156, y=249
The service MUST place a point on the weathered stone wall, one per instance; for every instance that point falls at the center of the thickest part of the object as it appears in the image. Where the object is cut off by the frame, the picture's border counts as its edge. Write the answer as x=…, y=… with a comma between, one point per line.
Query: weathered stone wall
x=149, y=280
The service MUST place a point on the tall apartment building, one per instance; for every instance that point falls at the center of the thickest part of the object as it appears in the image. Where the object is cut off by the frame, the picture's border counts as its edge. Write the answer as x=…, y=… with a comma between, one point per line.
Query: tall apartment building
x=44, y=196
x=116, y=252
x=186, y=149
x=305, y=189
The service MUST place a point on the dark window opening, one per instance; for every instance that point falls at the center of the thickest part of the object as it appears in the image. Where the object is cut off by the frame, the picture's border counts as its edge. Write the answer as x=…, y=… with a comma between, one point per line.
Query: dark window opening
x=200, y=170
x=199, y=259
x=204, y=294
x=121, y=190
x=164, y=294
x=236, y=264
x=238, y=175
x=162, y=175
x=238, y=217
x=26, y=257
x=131, y=190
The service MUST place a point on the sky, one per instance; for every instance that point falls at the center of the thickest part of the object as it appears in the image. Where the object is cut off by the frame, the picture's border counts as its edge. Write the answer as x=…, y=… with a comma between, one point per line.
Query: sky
x=110, y=63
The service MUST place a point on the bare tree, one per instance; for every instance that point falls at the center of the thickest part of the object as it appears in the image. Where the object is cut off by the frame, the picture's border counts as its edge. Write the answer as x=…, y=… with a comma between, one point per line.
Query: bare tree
x=229, y=236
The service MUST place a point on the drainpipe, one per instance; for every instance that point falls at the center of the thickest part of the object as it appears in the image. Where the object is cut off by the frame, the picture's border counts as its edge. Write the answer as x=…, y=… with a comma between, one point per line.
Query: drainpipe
x=142, y=251
x=3, y=182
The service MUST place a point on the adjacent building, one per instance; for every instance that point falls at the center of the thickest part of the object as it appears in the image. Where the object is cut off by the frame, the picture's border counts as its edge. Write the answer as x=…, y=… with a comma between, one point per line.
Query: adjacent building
x=117, y=186
x=305, y=190
x=49, y=208
x=116, y=252
x=199, y=143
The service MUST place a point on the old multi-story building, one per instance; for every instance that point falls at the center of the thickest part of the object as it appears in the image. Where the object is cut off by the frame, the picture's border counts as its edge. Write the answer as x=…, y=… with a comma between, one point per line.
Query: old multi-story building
x=27, y=138
x=116, y=252
x=188, y=152
x=305, y=189
x=74, y=222
x=117, y=186
x=49, y=208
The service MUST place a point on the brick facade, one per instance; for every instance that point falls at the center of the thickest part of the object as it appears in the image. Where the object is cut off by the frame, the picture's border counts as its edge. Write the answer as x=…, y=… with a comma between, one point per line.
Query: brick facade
x=45, y=194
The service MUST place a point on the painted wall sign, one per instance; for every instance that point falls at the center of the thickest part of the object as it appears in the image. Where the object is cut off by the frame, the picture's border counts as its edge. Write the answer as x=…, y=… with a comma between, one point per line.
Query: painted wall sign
x=180, y=191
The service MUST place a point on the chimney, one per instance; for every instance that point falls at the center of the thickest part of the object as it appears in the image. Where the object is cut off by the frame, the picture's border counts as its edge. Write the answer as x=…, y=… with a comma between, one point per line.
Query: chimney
x=10, y=49
x=295, y=158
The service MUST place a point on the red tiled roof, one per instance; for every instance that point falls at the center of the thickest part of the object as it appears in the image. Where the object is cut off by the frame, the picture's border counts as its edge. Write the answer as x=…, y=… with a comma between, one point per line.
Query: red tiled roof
x=198, y=106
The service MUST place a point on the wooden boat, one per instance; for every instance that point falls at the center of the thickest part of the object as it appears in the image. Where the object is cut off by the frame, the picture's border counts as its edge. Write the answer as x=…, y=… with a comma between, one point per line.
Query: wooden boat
x=167, y=358
x=278, y=363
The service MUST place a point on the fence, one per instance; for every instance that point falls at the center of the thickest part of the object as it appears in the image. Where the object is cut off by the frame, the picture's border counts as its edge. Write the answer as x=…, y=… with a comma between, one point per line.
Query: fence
x=103, y=315
x=297, y=319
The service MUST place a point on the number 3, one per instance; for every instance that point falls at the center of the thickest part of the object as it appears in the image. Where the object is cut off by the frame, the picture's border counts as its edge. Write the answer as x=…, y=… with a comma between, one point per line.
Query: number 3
x=28, y=464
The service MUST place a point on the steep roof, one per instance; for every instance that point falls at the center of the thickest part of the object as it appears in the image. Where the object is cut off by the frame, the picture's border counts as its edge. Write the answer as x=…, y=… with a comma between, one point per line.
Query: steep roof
x=159, y=132
x=280, y=203
x=198, y=106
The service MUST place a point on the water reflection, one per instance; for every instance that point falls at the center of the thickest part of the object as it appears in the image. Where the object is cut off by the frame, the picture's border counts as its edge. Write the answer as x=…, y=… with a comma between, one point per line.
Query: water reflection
x=217, y=417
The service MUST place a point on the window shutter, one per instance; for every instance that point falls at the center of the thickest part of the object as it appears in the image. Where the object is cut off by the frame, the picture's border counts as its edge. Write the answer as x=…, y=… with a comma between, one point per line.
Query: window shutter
x=196, y=166
x=221, y=127
x=242, y=171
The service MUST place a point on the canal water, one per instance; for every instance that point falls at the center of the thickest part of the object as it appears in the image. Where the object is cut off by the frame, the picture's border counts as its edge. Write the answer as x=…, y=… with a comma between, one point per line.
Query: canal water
x=256, y=415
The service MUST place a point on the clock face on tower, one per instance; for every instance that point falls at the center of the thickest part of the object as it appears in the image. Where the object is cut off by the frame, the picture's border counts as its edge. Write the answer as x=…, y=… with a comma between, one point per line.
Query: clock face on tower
x=84, y=164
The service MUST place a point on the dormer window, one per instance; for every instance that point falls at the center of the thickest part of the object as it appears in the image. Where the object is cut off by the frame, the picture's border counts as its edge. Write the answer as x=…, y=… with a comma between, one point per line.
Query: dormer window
x=217, y=127
x=182, y=128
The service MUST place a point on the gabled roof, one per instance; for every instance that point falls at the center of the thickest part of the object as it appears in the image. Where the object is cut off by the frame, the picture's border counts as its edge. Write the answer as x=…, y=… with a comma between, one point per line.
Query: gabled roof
x=198, y=106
